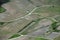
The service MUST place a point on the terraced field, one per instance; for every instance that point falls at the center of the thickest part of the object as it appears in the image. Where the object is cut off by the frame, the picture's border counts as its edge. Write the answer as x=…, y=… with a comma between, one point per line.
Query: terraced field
x=30, y=20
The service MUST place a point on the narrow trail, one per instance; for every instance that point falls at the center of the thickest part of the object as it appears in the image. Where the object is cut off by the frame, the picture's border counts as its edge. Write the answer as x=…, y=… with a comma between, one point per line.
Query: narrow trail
x=28, y=13
x=23, y=16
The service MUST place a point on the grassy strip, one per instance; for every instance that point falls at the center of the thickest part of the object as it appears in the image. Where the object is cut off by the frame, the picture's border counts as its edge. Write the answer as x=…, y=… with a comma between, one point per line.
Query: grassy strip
x=14, y=36
x=39, y=38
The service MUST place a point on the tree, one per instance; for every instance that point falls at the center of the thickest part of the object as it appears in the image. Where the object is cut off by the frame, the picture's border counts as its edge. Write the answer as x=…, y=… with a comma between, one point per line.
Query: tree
x=2, y=2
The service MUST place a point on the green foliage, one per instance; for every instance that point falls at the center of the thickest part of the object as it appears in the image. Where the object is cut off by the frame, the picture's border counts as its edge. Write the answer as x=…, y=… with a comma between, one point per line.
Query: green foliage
x=2, y=9
x=54, y=27
x=14, y=36
x=1, y=23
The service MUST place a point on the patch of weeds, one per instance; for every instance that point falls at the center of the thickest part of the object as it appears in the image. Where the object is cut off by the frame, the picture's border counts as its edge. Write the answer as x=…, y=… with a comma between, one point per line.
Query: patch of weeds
x=1, y=23
x=14, y=36
x=1, y=3
x=2, y=10
x=54, y=27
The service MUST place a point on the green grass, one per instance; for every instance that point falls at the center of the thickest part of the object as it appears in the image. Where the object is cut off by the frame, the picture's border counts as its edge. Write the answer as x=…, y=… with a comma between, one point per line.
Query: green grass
x=54, y=9
x=53, y=27
x=1, y=23
x=48, y=9
x=2, y=10
x=40, y=38
x=51, y=2
x=14, y=36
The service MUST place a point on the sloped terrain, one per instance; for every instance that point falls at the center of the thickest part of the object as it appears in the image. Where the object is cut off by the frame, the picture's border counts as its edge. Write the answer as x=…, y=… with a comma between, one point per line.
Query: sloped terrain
x=30, y=20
